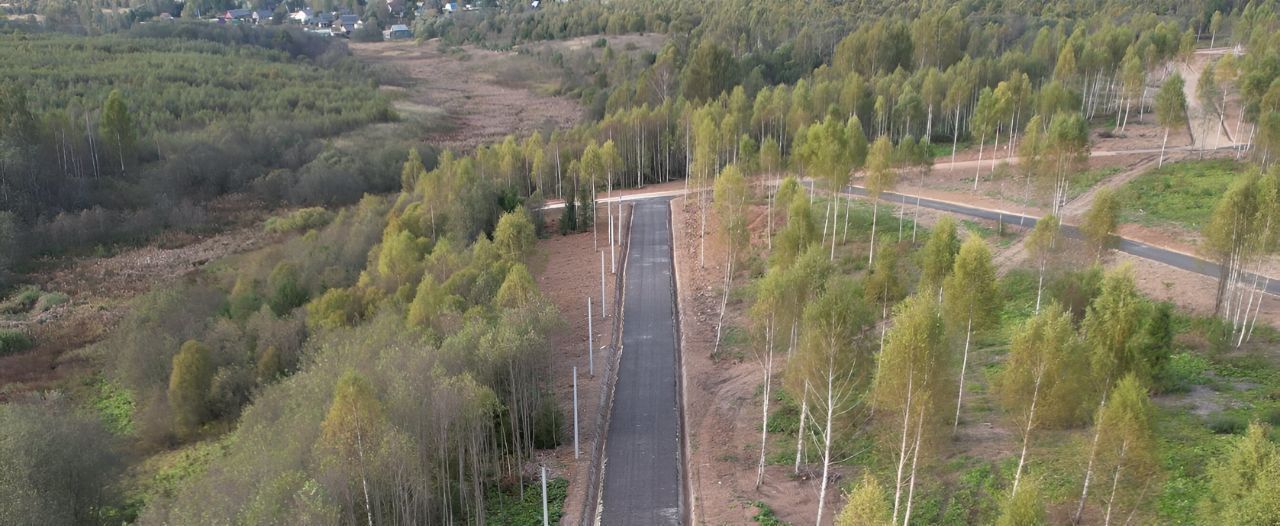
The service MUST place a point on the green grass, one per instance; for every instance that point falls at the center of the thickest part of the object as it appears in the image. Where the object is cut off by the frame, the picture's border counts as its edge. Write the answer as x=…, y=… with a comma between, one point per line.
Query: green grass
x=943, y=149
x=114, y=405
x=507, y=508
x=1181, y=194
x=1080, y=182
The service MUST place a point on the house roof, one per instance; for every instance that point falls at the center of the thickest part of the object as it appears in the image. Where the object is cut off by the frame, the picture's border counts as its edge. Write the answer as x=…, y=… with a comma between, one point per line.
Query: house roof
x=350, y=19
x=238, y=13
x=399, y=27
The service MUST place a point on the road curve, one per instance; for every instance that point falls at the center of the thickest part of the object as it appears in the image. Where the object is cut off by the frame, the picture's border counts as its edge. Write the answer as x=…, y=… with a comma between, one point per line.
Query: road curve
x=642, y=459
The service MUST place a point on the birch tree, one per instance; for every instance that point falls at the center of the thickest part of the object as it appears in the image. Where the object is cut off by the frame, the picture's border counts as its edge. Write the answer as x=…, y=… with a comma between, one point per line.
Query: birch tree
x=1041, y=245
x=938, y=255
x=1244, y=485
x=1112, y=325
x=912, y=390
x=1042, y=381
x=835, y=362
x=1127, y=449
x=731, y=194
x=1100, y=221
x=1171, y=108
x=881, y=177
x=971, y=301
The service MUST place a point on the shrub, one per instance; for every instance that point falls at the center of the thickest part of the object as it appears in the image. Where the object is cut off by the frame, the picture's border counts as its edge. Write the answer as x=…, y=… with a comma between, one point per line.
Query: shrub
x=1226, y=424
x=21, y=301
x=12, y=341
x=302, y=219
x=49, y=301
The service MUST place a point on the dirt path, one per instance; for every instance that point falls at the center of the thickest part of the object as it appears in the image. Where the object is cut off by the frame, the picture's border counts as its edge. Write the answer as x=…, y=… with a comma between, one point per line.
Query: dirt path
x=1207, y=130
x=472, y=96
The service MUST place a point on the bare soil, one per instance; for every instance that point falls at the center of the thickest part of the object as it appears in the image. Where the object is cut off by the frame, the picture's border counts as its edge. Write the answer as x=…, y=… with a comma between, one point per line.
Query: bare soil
x=568, y=273
x=483, y=95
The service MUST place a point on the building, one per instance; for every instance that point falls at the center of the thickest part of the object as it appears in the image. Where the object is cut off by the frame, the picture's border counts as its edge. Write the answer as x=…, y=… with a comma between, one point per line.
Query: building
x=399, y=32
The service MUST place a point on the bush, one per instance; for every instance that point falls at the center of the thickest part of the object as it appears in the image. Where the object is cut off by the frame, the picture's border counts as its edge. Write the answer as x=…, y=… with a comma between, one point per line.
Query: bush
x=49, y=301
x=21, y=301
x=1226, y=424
x=12, y=342
x=1181, y=372
x=303, y=219
x=367, y=33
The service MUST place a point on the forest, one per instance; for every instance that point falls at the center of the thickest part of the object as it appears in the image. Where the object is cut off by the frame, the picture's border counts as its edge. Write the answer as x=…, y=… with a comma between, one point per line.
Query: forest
x=386, y=356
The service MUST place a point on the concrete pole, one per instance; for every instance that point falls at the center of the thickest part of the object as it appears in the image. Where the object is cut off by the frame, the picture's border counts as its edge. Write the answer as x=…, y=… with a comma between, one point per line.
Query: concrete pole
x=575, y=411
x=546, y=519
x=591, y=338
x=603, y=306
x=610, y=223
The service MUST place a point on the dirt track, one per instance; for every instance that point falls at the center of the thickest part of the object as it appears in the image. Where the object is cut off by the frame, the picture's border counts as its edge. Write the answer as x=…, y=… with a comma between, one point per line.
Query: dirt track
x=473, y=96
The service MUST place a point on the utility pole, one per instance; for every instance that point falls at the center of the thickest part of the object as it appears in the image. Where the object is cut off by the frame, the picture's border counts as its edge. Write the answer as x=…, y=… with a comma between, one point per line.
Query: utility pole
x=546, y=520
x=575, y=411
x=591, y=346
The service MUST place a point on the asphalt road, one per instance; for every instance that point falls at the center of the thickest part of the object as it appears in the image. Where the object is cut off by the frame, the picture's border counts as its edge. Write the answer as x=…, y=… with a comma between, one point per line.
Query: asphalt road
x=641, y=469
x=1161, y=255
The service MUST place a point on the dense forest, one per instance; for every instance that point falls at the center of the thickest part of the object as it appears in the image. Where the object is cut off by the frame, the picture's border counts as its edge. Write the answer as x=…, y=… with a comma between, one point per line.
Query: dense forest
x=386, y=361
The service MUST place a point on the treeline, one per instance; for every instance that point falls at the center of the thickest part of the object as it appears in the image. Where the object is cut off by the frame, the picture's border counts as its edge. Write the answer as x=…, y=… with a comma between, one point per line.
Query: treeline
x=356, y=363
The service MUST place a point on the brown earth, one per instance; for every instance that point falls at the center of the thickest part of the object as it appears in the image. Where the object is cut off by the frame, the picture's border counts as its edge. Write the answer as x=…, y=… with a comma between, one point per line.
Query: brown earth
x=483, y=95
x=560, y=275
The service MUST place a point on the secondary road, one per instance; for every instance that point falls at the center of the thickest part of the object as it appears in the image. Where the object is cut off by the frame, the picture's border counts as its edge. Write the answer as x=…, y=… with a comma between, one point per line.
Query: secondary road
x=1169, y=257
x=642, y=448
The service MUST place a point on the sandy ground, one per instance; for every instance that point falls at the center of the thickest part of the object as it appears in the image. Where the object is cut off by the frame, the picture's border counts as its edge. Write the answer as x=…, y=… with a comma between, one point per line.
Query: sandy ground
x=483, y=95
x=561, y=279
x=722, y=407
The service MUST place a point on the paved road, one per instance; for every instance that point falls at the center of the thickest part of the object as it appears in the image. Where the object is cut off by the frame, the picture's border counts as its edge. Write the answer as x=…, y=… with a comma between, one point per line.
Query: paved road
x=642, y=474
x=1172, y=258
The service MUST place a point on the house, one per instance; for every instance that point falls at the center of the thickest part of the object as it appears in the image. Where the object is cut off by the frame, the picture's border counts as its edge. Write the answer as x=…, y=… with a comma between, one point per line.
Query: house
x=237, y=15
x=262, y=17
x=451, y=7
x=323, y=19
x=345, y=24
x=399, y=32
x=301, y=16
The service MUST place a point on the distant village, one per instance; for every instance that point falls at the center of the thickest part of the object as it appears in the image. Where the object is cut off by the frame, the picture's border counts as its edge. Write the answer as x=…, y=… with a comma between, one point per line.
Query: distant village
x=342, y=22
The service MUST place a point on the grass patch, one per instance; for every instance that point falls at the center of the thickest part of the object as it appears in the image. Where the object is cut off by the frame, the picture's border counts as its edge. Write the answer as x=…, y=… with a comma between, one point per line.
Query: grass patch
x=13, y=342
x=764, y=515
x=943, y=149
x=507, y=508
x=114, y=405
x=1183, y=371
x=1080, y=182
x=1182, y=193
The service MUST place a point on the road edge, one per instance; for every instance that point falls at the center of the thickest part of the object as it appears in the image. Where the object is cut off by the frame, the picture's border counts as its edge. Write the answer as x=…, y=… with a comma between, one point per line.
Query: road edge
x=592, y=503
x=688, y=499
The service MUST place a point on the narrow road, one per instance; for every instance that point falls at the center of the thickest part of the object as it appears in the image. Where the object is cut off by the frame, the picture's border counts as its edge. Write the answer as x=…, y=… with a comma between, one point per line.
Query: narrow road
x=1169, y=257
x=641, y=468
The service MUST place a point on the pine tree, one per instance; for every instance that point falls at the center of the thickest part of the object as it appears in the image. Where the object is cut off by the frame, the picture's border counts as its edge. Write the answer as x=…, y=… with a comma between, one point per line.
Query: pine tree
x=189, y=388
